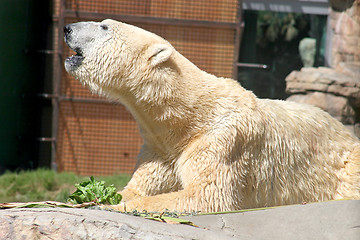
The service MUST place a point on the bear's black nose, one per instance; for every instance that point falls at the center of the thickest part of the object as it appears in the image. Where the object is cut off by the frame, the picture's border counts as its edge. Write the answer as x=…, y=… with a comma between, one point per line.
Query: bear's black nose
x=67, y=29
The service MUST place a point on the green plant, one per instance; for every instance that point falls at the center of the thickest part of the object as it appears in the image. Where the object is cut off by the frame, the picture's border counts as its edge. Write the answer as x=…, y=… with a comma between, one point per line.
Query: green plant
x=95, y=191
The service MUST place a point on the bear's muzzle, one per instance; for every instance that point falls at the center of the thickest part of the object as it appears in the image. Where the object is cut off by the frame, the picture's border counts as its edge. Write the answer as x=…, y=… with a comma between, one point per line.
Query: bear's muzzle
x=74, y=61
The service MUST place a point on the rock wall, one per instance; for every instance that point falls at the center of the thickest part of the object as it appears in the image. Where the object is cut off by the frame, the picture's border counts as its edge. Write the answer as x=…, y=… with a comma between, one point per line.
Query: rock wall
x=345, y=26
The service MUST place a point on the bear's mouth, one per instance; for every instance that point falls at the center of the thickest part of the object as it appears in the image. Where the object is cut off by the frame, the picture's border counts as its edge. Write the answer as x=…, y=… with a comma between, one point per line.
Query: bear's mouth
x=74, y=61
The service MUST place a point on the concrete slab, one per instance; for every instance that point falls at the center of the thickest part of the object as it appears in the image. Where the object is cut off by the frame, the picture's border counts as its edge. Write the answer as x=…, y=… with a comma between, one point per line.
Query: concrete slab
x=325, y=220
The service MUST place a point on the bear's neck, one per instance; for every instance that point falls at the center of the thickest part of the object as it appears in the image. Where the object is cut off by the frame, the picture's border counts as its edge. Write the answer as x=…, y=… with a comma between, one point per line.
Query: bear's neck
x=163, y=127
x=173, y=108
x=166, y=108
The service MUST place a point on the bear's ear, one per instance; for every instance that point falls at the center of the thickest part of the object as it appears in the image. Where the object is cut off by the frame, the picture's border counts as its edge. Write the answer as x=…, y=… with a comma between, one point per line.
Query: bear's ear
x=159, y=53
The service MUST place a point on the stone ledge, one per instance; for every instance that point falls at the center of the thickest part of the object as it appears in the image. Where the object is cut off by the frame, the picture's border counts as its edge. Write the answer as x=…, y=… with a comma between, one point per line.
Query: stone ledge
x=318, y=221
x=326, y=220
x=61, y=223
x=325, y=80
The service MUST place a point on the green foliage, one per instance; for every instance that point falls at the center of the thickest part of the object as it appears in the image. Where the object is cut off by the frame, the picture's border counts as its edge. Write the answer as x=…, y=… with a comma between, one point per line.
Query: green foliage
x=95, y=191
x=46, y=185
x=273, y=26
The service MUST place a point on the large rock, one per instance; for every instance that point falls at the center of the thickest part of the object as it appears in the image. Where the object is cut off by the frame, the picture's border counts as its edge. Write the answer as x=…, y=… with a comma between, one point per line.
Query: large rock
x=336, y=91
x=69, y=224
x=337, y=106
x=327, y=220
x=325, y=80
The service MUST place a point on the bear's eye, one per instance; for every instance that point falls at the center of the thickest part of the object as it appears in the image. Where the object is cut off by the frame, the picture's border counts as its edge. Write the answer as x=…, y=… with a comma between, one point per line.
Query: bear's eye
x=104, y=27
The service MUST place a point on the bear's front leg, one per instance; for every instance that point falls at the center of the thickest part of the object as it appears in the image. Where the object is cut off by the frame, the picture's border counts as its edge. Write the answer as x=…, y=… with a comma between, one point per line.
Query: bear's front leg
x=206, y=197
x=210, y=181
x=180, y=201
x=151, y=177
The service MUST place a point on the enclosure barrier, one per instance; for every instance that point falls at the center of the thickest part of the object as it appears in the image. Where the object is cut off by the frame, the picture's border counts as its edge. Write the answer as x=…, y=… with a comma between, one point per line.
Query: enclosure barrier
x=92, y=136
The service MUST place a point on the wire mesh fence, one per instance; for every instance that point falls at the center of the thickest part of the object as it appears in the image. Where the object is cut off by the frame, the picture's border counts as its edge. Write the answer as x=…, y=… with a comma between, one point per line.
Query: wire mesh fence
x=97, y=137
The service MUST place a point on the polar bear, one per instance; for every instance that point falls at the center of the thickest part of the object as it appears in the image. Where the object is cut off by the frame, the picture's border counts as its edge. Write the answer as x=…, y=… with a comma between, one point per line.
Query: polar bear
x=209, y=144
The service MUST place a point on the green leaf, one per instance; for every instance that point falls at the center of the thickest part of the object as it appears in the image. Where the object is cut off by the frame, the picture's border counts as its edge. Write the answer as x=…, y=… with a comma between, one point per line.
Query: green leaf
x=94, y=191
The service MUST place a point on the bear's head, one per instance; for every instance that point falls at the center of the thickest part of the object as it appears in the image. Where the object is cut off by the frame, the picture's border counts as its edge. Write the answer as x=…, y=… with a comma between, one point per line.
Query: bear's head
x=111, y=54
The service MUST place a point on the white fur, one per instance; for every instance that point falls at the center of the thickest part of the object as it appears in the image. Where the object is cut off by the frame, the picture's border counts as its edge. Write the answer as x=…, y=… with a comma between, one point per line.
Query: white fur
x=209, y=144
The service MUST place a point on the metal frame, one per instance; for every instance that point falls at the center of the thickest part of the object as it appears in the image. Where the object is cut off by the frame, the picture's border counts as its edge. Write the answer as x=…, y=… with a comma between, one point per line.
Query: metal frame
x=318, y=7
x=149, y=19
x=56, y=84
